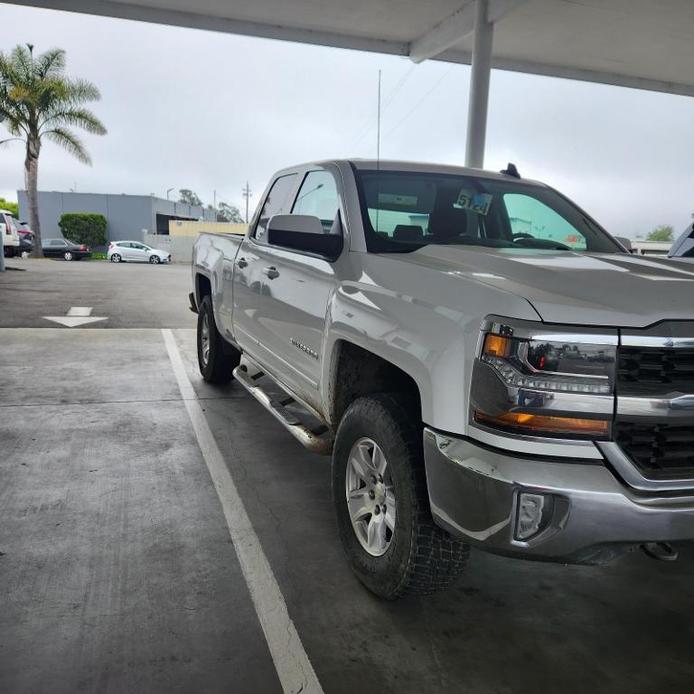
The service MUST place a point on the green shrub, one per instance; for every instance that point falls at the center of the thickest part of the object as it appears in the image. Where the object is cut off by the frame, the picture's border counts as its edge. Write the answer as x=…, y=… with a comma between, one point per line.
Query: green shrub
x=84, y=227
x=10, y=206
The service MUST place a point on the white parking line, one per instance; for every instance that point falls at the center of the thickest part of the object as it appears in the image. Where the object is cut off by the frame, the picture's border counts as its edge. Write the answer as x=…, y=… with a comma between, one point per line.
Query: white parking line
x=293, y=667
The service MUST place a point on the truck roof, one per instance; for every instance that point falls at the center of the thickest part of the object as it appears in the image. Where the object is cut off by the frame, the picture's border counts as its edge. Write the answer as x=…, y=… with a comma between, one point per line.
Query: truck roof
x=414, y=166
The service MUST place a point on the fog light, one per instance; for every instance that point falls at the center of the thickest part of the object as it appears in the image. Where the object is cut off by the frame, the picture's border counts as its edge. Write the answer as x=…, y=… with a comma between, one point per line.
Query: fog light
x=531, y=508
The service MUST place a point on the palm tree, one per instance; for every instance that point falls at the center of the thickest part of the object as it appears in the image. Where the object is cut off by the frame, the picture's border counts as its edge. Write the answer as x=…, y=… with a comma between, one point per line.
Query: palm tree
x=39, y=102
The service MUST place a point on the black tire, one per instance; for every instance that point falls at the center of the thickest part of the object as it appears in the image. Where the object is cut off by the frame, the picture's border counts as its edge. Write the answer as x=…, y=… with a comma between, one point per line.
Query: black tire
x=115, y=258
x=421, y=557
x=68, y=255
x=154, y=259
x=222, y=358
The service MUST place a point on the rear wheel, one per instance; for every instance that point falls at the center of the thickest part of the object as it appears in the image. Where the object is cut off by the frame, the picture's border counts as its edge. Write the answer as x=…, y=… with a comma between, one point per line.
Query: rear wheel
x=216, y=357
x=154, y=259
x=382, y=505
x=68, y=255
x=115, y=258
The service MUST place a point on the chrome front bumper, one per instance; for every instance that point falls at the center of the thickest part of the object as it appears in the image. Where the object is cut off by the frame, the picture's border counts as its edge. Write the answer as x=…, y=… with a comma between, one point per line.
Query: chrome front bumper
x=590, y=517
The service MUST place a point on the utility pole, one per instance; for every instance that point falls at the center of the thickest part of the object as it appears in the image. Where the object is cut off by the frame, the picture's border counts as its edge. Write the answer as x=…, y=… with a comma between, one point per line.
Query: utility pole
x=246, y=194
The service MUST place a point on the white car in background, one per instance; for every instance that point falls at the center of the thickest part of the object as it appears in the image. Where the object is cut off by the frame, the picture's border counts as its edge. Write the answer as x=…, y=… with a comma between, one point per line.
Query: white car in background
x=136, y=252
x=10, y=234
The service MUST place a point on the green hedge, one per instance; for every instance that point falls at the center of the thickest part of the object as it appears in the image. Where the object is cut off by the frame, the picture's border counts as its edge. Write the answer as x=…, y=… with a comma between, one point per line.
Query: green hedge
x=10, y=206
x=84, y=227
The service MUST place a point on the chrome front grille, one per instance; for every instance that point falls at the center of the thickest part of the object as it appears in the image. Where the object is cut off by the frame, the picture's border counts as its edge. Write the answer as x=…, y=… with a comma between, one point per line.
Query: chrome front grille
x=654, y=424
x=645, y=371
x=658, y=450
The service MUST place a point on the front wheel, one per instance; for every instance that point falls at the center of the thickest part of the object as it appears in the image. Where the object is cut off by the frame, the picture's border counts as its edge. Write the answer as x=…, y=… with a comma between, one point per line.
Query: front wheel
x=382, y=505
x=154, y=259
x=216, y=357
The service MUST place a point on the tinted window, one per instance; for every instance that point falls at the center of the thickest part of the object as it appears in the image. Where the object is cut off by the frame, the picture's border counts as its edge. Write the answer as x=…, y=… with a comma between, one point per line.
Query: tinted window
x=403, y=211
x=532, y=219
x=275, y=203
x=318, y=197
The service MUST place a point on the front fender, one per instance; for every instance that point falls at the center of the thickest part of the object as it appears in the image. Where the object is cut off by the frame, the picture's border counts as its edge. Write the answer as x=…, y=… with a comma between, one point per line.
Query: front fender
x=434, y=339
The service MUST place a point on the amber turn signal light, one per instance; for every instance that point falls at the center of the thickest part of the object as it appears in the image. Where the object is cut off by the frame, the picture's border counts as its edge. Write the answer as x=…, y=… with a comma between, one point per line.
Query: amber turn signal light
x=496, y=345
x=543, y=424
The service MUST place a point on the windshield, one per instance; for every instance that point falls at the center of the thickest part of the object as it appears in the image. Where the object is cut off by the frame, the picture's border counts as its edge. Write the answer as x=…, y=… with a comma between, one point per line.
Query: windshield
x=403, y=211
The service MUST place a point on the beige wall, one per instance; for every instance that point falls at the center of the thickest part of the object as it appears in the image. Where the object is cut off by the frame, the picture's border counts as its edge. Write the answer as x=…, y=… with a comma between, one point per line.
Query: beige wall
x=192, y=228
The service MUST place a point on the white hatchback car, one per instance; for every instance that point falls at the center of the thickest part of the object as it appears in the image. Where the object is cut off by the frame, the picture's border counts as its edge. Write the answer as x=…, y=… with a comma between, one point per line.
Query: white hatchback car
x=136, y=252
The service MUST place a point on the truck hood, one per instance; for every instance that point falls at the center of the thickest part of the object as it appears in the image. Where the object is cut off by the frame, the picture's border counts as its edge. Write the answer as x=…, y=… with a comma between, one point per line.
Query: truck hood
x=576, y=288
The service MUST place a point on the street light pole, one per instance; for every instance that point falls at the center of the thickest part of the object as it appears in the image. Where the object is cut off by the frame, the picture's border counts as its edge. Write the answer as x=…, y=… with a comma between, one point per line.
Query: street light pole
x=167, y=192
x=246, y=194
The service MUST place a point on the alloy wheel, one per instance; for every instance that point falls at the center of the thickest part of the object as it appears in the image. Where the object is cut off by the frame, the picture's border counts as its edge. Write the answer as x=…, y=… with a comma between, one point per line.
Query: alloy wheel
x=205, y=338
x=370, y=497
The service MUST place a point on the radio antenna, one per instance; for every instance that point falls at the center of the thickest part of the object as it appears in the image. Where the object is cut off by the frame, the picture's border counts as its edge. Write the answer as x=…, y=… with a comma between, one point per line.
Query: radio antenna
x=378, y=123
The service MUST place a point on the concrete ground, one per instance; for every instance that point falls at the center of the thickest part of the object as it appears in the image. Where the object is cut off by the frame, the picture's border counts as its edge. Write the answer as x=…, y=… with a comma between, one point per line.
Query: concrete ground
x=117, y=572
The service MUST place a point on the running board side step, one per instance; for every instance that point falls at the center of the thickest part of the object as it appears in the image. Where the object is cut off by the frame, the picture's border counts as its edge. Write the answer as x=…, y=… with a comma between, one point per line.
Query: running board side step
x=318, y=440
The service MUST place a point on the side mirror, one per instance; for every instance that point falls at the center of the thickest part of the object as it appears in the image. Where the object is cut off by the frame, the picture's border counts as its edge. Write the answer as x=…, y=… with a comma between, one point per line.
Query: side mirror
x=302, y=232
x=625, y=242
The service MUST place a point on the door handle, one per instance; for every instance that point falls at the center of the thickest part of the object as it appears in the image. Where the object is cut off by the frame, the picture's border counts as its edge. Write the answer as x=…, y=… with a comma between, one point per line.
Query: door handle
x=242, y=263
x=271, y=272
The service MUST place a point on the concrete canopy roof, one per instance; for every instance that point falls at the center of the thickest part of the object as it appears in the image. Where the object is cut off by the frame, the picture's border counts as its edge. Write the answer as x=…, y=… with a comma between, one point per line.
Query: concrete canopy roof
x=645, y=44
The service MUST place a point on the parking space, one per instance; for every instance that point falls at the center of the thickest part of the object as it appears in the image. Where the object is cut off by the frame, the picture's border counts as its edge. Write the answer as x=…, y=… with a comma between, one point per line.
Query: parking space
x=129, y=295
x=118, y=569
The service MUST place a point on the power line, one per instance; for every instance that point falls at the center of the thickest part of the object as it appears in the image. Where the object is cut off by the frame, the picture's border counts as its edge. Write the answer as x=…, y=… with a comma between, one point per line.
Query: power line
x=421, y=101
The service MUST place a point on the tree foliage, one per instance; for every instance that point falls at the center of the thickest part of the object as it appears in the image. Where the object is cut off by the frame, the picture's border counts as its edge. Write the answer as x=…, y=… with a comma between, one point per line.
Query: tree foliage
x=189, y=197
x=84, y=227
x=39, y=103
x=10, y=206
x=662, y=234
x=229, y=213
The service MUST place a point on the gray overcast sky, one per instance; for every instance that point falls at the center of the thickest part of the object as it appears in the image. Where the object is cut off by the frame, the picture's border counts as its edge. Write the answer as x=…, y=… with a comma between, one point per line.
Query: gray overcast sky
x=193, y=109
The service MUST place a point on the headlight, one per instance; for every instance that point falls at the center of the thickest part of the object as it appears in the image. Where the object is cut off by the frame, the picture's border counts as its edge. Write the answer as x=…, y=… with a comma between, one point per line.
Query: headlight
x=544, y=382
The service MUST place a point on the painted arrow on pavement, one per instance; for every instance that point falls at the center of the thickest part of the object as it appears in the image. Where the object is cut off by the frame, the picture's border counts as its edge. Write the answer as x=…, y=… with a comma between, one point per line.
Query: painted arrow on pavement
x=77, y=315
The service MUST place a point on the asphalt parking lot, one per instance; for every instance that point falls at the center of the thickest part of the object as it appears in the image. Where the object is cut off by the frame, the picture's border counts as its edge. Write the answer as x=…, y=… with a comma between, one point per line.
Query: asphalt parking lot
x=119, y=573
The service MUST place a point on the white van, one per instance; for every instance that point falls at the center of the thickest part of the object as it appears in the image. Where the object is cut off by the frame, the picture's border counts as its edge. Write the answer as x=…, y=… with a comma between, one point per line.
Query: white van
x=10, y=235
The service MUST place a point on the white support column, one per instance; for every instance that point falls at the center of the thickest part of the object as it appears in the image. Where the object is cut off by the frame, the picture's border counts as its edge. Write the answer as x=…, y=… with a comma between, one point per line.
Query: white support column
x=480, y=70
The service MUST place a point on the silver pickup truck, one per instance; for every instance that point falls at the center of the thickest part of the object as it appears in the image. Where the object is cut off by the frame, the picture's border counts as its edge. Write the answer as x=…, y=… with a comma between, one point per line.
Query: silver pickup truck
x=486, y=365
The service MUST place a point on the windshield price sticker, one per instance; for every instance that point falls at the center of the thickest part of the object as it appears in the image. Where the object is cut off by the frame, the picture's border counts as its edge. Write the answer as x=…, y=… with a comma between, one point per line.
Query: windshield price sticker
x=477, y=202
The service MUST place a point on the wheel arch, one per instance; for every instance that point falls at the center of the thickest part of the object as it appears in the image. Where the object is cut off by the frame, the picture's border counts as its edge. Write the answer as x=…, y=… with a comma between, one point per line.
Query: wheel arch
x=355, y=371
x=203, y=286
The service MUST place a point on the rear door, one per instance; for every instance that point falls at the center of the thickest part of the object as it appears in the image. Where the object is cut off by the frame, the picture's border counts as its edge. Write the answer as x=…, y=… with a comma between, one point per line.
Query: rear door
x=55, y=247
x=296, y=289
x=125, y=250
x=250, y=332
